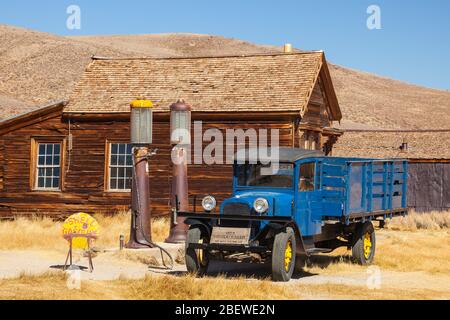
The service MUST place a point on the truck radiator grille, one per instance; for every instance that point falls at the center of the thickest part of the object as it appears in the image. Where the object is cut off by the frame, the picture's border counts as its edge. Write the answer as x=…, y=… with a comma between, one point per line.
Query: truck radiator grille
x=237, y=208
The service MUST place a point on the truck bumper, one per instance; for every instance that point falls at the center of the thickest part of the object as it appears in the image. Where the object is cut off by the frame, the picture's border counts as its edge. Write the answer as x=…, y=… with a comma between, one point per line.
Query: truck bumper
x=228, y=247
x=209, y=216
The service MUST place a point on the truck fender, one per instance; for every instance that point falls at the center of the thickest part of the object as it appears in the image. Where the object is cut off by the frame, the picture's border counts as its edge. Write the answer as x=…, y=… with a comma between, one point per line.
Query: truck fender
x=196, y=222
x=301, y=249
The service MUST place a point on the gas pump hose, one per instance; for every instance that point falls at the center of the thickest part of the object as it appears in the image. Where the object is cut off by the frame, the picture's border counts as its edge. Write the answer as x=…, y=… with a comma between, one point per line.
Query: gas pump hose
x=161, y=249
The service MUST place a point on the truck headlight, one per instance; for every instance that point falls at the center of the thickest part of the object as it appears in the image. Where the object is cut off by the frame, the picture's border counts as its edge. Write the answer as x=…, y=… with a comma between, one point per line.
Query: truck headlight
x=261, y=205
x=209, y=203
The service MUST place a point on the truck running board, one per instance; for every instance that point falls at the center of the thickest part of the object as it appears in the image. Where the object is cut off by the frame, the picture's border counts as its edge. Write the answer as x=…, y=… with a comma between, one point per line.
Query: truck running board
x=318, y=250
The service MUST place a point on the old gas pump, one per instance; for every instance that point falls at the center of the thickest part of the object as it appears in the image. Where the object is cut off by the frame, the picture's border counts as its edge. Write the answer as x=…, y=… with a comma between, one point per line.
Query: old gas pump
x=180, y=138
x=141, y=123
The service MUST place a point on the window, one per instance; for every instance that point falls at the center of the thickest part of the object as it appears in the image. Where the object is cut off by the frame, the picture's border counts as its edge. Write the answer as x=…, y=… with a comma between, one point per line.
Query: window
x=311, y=140
x=48, y=166
x=120, y=167
x=260, y=175
x=307, y=174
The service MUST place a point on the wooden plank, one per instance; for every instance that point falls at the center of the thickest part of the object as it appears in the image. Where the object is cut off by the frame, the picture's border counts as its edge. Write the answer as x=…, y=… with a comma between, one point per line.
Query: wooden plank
x=85, y=180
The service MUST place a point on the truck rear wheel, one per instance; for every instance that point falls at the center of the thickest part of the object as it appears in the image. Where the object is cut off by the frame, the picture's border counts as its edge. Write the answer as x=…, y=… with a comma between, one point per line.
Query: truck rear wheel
x=363, y=249
x=283, y=256
x=196, y=259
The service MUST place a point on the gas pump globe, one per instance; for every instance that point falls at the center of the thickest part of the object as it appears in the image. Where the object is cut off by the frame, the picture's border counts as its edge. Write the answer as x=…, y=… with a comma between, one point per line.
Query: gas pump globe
x=141, y=122
x=180, y=123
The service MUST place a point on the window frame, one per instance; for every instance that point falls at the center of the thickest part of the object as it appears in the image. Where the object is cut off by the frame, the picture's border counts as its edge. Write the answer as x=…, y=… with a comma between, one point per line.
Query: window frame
x=311, y=140
x=107, y=175
x=317, y=175
x=34, y=156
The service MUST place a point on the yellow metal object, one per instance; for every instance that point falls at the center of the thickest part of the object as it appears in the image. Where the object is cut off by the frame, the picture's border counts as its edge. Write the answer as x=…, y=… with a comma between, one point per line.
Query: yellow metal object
x=367, y=245
x=141, y=103
x=200, y=253
x=288, y=256
x=78, y=228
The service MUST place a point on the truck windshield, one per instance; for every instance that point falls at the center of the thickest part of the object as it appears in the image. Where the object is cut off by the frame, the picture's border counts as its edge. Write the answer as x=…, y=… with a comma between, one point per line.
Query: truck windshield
x=265, y=175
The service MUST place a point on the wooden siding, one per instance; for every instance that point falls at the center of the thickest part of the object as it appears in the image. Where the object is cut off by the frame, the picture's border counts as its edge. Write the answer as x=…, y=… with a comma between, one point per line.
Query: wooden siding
x=317, y=113
x=428, y=188
x=84, y=169
x=2, y=151
x=316, y=118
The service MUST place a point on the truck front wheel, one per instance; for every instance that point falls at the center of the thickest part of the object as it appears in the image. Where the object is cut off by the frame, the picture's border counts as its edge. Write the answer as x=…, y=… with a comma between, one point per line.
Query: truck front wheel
x=283, y=256
x=363, y=249
x=196, y=259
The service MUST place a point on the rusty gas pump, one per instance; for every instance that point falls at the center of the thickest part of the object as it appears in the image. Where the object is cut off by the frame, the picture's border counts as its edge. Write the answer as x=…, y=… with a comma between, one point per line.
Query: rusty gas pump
x=180, y=138
x=141, y=124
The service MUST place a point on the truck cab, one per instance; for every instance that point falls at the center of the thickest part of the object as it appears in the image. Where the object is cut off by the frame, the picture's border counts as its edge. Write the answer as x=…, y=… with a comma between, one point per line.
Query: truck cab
x=290, y=203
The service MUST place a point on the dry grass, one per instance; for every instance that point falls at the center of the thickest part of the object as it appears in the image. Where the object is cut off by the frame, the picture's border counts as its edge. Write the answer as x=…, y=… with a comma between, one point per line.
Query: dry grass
x=218, y=288
x=24, y=233
x=416, y=246
x=420, y=242
x=348, y=292
x=427, y=251
x=50, y=286
x=54, y=286
x=402, y=251
x=421, y=221
x=44, y=233
x=415, y=243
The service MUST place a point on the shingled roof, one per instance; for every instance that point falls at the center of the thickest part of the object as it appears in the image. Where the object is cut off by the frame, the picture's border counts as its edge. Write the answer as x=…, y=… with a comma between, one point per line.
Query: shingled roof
x=253, y=83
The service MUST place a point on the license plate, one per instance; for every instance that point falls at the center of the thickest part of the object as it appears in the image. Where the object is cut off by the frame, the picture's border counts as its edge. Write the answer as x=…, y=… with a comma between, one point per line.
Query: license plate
x=239, y=236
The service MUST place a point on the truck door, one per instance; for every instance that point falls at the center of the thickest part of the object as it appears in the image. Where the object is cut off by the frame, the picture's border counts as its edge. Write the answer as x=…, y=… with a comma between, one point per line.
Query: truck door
x=308, y=211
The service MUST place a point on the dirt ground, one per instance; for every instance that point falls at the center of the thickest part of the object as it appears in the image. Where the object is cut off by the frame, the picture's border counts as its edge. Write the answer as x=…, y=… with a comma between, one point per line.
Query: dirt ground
x=401, y=271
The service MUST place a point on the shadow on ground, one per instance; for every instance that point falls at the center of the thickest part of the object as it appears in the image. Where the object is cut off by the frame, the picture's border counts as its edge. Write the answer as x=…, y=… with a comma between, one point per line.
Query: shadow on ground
x=69, y=268
x=324, y=261
x=261, y=271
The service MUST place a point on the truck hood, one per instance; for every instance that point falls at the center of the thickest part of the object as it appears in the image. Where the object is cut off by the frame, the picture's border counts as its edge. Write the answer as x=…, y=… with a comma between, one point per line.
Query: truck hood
x=280, y=202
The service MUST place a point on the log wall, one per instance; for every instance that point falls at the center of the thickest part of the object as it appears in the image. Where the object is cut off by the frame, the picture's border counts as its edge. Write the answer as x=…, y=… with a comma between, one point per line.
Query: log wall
x=316, y=117
x=84, y=172
x=2, y=151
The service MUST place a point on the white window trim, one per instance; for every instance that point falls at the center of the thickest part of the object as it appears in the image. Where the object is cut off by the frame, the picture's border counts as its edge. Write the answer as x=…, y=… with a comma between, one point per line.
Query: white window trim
x=36, y=181
x=109, y=167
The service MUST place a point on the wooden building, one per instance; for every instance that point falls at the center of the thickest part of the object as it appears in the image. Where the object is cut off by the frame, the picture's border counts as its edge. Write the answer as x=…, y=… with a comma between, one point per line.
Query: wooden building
x=74, y=156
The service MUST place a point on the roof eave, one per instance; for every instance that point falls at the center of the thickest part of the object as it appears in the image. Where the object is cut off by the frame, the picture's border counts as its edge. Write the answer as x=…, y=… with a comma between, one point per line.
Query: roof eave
x=40, y=112
x=330, y=92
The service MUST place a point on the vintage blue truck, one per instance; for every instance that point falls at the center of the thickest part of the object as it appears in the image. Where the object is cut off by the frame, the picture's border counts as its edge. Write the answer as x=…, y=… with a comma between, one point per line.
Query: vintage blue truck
x=305, y=204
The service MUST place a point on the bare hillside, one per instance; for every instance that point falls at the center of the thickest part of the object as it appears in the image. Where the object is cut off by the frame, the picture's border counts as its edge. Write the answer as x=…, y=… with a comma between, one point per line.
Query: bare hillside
x=176, y=45
x=10, y=106
x=370, y=100
x=38, y=67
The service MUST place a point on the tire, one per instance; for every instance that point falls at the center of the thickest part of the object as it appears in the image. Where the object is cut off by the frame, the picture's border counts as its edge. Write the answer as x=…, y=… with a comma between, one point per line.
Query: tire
x=283, y=258
x=364, y=242
x=196, y=259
